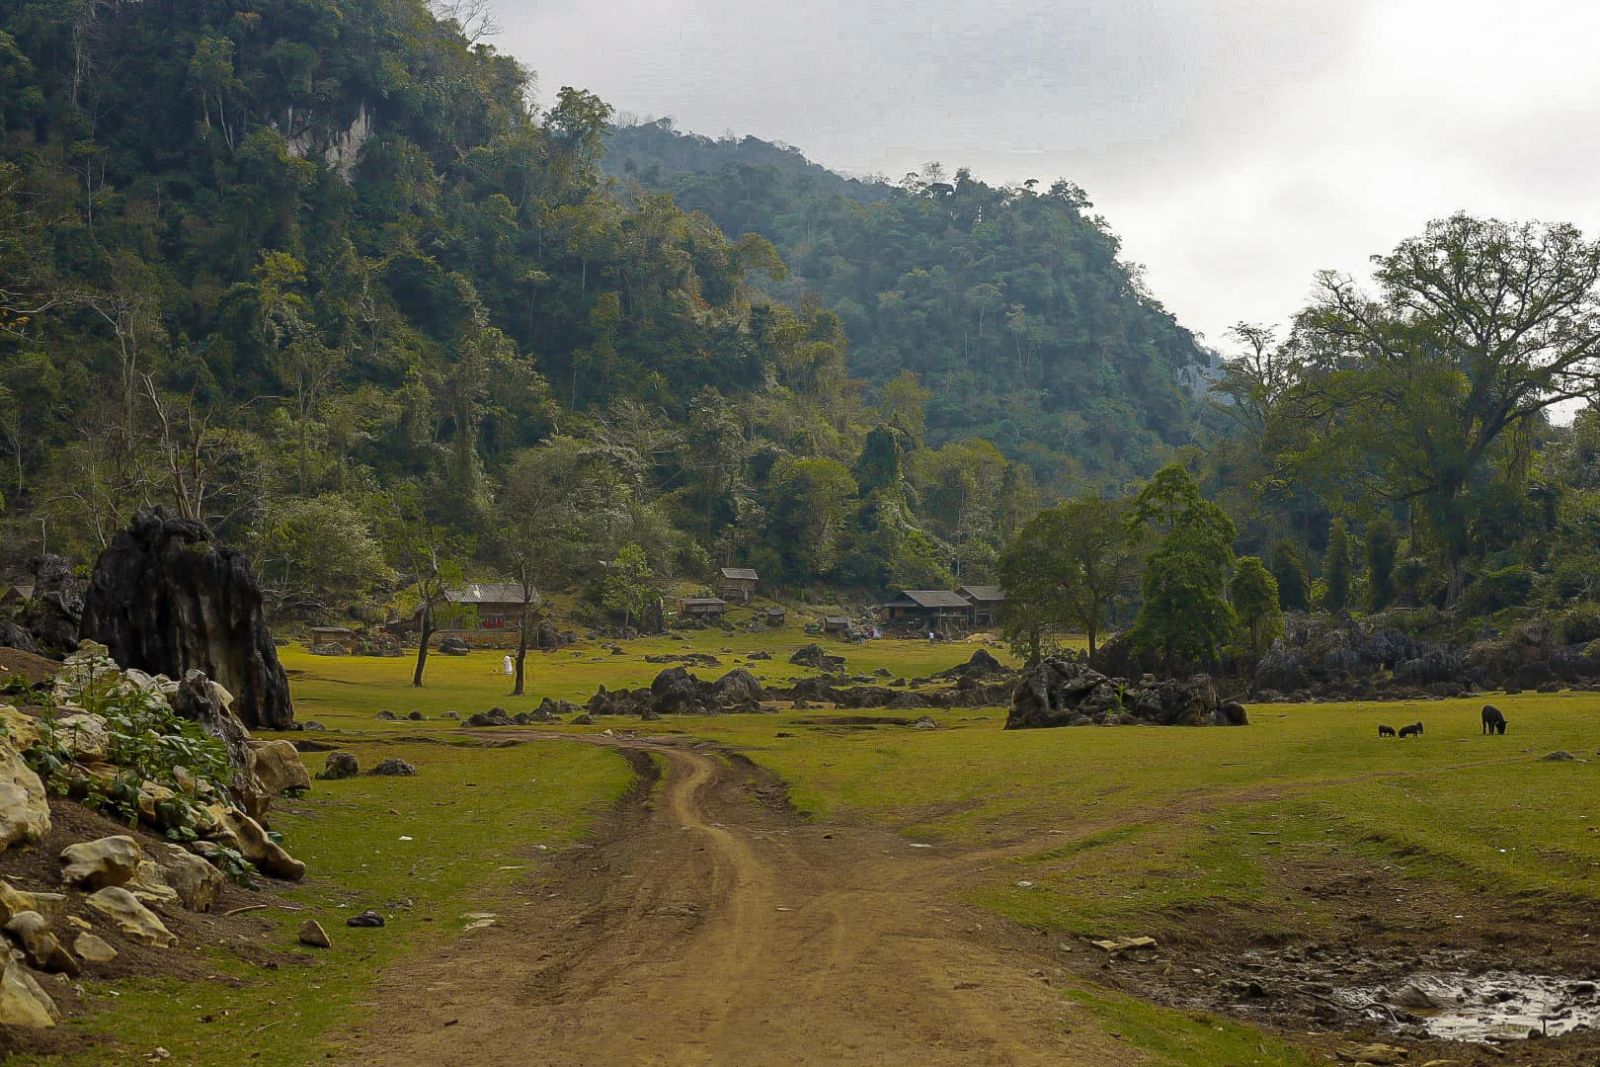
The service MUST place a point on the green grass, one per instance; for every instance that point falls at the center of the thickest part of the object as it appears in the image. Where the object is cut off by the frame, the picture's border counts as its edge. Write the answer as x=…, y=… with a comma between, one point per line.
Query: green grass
x=470, y=812
x=1121, y=827
x=1184, y=1040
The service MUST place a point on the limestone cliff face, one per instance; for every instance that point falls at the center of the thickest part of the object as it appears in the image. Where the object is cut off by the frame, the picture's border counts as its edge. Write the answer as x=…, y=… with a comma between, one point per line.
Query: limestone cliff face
x=167, y=600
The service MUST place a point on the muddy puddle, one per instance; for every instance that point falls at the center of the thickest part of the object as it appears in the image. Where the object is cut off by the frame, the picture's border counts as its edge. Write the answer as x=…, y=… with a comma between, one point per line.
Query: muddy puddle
x=1492, y=1006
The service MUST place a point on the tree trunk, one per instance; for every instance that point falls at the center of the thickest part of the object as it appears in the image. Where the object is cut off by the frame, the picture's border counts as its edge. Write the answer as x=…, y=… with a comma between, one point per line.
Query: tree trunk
x=522, y=653
x=422, y=646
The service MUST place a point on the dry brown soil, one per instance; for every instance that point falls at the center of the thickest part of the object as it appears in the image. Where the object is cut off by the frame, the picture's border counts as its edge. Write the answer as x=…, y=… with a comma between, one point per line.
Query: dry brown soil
x=707, y=925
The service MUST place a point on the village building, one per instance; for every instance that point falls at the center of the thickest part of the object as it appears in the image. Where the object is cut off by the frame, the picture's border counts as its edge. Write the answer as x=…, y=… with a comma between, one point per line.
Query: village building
x=333, y=637
x=987, y=602
x=702, y=607
x=930, y=609
x=835, y=624
x=483, y=606
x=737, y=583
x=20, y=593
x=776, y=616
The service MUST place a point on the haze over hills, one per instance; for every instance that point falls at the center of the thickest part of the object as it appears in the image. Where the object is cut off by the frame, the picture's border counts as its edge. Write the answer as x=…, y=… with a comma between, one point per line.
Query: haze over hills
x=1011, y=305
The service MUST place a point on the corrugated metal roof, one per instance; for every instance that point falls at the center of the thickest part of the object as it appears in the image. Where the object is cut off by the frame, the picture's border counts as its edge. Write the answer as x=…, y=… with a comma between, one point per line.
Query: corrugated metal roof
x=703, y=601
x=984, y=592
x=935, y=598
x=488, y=593
x=741, y=574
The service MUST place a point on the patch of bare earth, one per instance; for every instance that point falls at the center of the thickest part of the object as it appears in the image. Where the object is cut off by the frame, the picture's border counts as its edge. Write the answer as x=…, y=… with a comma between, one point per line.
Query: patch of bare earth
x=707, y=924
x=1343, y=924
x=37, y=868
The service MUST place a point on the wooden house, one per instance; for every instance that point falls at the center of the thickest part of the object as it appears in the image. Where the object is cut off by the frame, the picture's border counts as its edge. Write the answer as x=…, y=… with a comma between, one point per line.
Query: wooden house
x=702, y=607
x=334, y=636
x=492, y=605
x=776, y=616
x=987, y=602
x=737, y=583
x=835, y=624
x=930, y=609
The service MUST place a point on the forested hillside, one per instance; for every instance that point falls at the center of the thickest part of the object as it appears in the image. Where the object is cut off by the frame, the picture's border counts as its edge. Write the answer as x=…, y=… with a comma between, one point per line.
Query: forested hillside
x=317, y=272
x=1011, y=304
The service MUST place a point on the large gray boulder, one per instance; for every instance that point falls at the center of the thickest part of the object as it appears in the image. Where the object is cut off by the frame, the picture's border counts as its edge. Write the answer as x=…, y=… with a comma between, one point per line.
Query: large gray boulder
x=166, y=599
x=52, y=614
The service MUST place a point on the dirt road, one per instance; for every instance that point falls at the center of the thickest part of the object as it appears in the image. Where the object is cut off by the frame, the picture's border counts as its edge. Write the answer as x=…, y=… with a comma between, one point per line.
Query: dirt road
x=705, y=925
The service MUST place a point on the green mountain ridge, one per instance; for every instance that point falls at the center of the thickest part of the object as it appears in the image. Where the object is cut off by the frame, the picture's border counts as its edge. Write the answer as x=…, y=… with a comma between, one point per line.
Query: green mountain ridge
x=1011, y=304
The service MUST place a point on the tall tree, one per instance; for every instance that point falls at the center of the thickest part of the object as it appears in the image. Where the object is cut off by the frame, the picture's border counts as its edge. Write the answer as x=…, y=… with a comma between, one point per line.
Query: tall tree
x=1064, y=569
x=1185, y=614
x=1477, y=328
x=1336, y=564
x=1383, y=545
x=1254, y=593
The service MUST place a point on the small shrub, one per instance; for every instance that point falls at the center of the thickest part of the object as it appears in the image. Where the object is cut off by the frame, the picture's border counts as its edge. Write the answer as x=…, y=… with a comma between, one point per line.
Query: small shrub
x=1580, y=625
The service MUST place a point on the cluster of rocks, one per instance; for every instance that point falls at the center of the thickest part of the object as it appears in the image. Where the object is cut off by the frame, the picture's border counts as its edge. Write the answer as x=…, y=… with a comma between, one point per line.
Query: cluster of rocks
x=813, y=656
x=341, y=765
x=115, y=879
x=677, y=692
x=1066, y=692
x=1343, y=659
x=548, y=711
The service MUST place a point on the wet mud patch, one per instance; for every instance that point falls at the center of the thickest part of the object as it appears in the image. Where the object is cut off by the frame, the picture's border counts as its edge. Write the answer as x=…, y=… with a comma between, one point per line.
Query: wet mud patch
x=1343, y=950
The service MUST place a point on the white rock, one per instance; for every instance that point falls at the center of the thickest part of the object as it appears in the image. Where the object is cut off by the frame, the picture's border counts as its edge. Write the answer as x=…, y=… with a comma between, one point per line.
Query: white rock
x=96, y=864
x=22, y=1002
x=132, y=918
x=24, y=807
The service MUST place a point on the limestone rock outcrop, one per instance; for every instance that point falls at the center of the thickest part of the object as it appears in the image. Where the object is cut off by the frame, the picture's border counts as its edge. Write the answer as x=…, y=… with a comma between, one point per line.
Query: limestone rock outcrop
x=1061, y=692
x=97, y=864
x=166, y=599
x=24, y=807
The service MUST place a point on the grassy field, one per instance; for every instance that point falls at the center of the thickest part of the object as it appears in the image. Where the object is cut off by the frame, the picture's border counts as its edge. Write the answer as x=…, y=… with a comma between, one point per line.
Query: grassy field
x=426, y=850
x=1113, y=828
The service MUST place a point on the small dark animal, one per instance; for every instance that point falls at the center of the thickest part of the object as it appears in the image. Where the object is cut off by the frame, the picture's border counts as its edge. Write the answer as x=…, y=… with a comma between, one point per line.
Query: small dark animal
x=1386, y=731
x=1493, y=721
x=1414, y=730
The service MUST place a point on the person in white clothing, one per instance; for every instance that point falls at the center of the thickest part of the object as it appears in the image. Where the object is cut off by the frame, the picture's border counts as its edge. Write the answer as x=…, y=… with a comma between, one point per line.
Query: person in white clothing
x=506, y=667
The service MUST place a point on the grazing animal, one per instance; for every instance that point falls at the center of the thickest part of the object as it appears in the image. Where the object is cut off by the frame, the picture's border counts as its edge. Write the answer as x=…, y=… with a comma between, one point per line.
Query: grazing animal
x=1414, y=730
x=1386, y=731
x=1493, y=721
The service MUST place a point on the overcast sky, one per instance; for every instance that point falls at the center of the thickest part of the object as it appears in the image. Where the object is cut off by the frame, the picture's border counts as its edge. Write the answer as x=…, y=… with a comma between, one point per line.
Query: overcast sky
x=1237, y=146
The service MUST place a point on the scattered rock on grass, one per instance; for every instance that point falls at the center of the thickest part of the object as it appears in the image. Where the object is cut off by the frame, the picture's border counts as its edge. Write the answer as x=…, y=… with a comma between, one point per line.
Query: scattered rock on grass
x=312, y=933
x=492, y=717
x=366, y=918
x=394, y=768
x=386, y=716
x=277, y=765
x=340, y=765
x=1559, y=757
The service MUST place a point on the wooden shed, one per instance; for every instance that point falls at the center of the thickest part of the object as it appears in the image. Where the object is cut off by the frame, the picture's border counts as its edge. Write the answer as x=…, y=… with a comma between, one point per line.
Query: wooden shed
x=737, y=583
x=702, y=607
x=987, y=602
x=776, y=616
x=934, y=609
x=335, y=636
